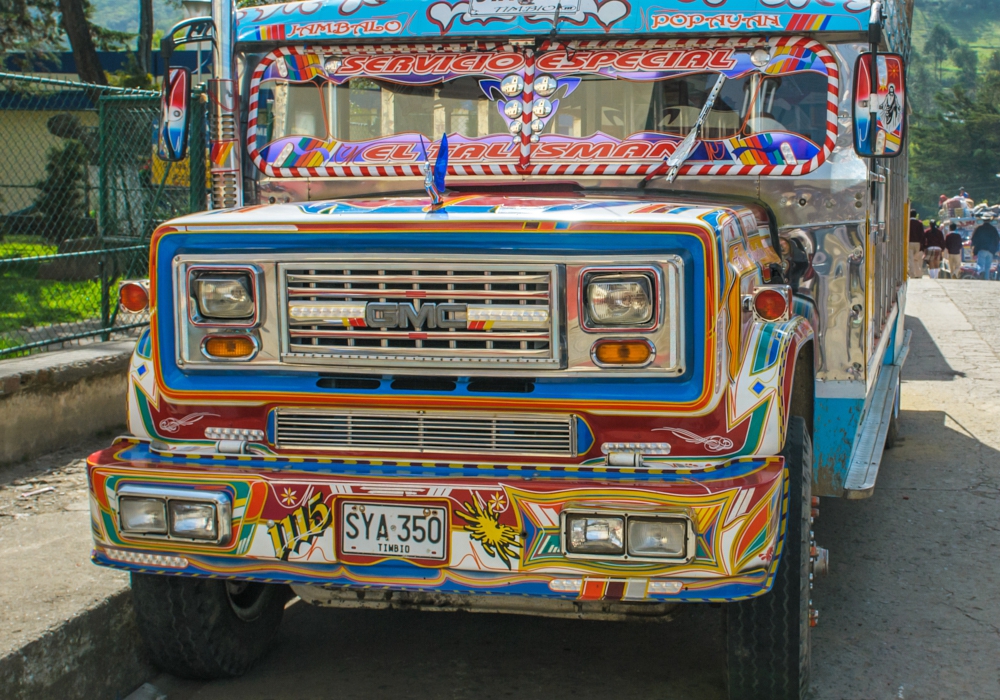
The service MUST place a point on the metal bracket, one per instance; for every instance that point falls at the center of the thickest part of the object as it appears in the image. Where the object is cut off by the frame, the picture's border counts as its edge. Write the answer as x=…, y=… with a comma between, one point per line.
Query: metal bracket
x=194, y=30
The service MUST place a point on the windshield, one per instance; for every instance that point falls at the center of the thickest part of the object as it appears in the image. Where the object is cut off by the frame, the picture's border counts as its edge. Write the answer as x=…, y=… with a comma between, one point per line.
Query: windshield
x=318, y=110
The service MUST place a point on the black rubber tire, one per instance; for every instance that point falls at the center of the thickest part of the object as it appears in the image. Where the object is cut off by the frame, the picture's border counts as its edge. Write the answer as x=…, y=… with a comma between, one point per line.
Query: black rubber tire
x=206, y=629
x=767, y=637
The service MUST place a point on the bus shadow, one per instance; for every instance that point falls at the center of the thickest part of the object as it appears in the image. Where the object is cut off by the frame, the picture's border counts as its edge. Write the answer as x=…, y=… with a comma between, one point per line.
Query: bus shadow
x=925, y=361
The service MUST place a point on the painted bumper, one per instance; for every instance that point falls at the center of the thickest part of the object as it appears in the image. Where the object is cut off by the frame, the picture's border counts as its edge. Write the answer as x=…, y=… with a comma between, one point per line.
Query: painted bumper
x=504, y=533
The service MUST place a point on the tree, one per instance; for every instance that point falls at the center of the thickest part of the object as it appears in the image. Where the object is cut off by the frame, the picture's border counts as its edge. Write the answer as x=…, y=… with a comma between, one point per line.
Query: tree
x=144, y=53
x=939, y=44
x=37, y=27
x=27, y=27
x=62, y=199
x=994, y=63
x=967, y=62
x=959, y=146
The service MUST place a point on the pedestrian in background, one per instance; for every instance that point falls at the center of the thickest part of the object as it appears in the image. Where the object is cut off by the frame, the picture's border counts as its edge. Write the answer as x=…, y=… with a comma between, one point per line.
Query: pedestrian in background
x=916, y=245
x=953, y=245
x=985, y=246
x=933, y=245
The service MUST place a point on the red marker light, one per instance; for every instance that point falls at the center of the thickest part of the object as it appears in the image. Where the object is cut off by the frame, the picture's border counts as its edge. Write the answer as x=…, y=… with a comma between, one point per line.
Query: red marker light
x=134, y=297
x=770, y=305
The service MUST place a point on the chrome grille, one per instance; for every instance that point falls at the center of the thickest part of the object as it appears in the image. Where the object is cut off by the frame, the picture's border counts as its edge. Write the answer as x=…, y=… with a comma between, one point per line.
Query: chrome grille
x=426, y=431
x=410, y=313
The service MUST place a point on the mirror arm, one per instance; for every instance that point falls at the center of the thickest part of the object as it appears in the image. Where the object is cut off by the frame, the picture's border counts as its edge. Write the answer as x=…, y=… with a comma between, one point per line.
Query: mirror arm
x=195, y=29
x=874, y=39
x=875, y=20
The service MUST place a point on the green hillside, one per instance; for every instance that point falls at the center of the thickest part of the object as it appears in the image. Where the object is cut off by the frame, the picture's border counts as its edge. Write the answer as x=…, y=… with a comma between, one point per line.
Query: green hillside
x=954, y=81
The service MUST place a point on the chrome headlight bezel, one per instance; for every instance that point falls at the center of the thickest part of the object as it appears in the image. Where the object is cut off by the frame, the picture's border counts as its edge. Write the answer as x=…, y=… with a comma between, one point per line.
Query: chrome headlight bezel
x=221, y=503
x=628, y=517
x=249, y=276
x=652, y=277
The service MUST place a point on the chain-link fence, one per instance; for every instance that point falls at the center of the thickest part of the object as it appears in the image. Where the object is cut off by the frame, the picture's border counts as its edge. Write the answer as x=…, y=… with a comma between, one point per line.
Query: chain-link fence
x=80, y=193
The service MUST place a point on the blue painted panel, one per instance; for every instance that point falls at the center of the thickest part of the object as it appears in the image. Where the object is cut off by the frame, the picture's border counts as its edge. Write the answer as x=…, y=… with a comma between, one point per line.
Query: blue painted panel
x=546, y=246
x=835, y=423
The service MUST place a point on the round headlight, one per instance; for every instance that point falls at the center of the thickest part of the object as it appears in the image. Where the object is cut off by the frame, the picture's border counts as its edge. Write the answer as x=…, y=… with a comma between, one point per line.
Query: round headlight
x=619, y=300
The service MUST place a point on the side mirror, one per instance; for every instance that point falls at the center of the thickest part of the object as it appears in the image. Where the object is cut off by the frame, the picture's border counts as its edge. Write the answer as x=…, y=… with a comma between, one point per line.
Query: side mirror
x=879, y=105
x=175, y=102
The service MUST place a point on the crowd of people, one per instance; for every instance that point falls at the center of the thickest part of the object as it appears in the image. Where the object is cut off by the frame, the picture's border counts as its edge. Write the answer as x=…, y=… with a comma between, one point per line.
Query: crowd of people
x=931, y=244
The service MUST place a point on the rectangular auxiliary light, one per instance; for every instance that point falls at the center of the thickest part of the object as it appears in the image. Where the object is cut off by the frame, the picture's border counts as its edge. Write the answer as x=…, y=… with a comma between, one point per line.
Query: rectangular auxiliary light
x=603, y=535
x=333, y=313
x=146, y=516
x=498, y=317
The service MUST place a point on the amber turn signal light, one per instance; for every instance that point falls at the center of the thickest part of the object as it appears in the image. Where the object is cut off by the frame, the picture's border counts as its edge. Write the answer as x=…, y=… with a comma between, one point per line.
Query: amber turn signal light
x=770, y=305
x=133, y=296
x=622, y=352
x=230, y=347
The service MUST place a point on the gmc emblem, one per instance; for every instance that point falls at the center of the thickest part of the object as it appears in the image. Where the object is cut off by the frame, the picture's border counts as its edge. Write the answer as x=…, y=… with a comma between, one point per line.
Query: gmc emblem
x=380, y=315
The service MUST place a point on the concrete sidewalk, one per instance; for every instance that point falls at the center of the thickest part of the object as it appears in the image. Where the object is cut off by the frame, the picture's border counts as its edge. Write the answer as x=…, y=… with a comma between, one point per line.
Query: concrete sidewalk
x=68, y=629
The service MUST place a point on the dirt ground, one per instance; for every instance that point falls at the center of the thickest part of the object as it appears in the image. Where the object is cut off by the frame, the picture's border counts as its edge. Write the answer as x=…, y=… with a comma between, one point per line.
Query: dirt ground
x=46, y=576
x=909, y=610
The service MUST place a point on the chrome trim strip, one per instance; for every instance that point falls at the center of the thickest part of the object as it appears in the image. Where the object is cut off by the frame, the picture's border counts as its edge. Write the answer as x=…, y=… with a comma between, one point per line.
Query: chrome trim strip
x=572, y=348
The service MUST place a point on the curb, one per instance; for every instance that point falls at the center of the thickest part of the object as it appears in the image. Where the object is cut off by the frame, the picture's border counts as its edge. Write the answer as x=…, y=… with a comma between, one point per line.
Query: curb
x=96, y=654
x=51, y=400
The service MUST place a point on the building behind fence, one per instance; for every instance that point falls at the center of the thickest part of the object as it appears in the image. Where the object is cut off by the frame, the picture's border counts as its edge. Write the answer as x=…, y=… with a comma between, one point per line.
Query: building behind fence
x=80, y=193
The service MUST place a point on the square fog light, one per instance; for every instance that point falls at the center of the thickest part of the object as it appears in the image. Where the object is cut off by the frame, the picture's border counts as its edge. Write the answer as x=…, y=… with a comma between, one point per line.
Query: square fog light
x=195, y=521
x=144, y=516
x=657, y=537
x=594, y=534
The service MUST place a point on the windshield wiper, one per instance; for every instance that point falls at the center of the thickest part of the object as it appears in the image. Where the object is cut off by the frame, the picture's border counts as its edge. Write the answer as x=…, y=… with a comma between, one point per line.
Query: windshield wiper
x=686, y=147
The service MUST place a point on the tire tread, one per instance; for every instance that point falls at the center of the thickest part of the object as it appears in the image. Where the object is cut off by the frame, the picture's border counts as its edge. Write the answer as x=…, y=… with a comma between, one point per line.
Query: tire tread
x=193, y=632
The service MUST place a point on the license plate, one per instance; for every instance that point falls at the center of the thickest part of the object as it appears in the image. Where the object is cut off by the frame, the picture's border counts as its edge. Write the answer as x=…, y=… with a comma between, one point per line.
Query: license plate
x=523, y=7
x=383, y=530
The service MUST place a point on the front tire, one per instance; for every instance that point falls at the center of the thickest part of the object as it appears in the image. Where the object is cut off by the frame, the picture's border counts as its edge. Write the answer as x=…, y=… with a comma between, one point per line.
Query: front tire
x=206, y=629
x=767, y=637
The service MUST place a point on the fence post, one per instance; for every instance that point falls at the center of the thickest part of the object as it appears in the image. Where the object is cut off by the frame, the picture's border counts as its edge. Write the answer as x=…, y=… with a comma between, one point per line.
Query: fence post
x=196, y=154
x=105, y=212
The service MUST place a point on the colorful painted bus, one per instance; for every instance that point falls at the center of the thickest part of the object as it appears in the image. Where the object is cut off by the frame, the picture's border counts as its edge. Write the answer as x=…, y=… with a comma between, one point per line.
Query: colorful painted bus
x=554, y=307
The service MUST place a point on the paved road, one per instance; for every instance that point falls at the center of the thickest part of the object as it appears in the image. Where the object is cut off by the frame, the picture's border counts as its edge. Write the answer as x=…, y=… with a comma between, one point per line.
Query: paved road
x=909, y=610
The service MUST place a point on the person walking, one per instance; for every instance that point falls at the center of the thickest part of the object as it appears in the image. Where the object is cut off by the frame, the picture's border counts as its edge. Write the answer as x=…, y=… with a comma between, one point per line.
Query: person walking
x=985, y=245
x=953, y=246
x=916, y=246
x=934, y=244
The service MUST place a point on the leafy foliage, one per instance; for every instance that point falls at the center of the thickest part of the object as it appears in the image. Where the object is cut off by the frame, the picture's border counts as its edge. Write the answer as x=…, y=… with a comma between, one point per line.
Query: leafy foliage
x=62, y=193
x=954, y=87
x=959, y=146
x=29, y=26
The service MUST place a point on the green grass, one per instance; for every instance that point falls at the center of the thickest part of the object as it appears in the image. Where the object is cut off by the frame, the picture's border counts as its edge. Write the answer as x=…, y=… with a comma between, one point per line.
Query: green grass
x=24, y=247
x=29, y=302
